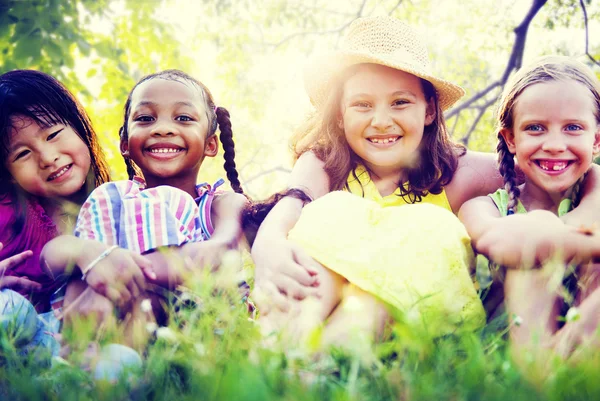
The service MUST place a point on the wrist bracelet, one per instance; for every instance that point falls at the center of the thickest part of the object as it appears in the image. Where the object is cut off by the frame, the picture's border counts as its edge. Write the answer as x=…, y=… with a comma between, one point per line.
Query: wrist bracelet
x=94, y=262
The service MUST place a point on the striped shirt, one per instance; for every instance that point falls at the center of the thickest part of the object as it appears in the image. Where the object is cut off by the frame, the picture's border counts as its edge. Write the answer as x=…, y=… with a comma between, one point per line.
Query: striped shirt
x=127, y=214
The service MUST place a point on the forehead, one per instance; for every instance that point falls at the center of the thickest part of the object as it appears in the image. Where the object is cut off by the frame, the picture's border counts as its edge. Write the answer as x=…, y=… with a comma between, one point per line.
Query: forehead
x=370, y=77
x=557, y=97
x=23, y=127
x=167, y=91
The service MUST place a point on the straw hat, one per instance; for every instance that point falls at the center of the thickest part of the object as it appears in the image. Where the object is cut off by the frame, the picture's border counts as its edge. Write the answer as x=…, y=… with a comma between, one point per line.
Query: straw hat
x=378, y=40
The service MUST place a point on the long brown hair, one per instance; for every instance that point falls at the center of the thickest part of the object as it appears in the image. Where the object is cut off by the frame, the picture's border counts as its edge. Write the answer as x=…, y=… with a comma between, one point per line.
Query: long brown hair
x=545, y=69
x=322, y=135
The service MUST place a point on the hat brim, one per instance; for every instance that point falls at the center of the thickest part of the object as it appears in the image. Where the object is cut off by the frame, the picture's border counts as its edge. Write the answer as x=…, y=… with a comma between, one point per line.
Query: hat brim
x=322, y=71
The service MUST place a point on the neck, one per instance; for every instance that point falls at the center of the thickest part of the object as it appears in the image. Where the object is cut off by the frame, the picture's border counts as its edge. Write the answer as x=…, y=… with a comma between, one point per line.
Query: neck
x=534, y=198
x=186, y=184
x=386, y=179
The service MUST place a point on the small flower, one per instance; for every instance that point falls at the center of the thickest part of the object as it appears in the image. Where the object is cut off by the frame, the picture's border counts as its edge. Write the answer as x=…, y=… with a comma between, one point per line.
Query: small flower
x=353, y=304
x=200, y=349
x=146, y=306
x=151, y=327
x=505, y=366
x=573, y=314
x=517, y=320
x=166, y=334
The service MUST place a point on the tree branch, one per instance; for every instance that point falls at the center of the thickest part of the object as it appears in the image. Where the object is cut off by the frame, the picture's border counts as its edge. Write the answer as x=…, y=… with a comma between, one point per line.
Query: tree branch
x=587, y=39
x=482, y=109
x=269, y=171
x=514, y=62
x=326, y=32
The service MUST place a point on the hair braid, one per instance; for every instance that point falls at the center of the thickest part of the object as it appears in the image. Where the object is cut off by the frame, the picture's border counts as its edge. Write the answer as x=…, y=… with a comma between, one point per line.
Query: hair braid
x=576, y=191
x=226, y=138
x=506, y=165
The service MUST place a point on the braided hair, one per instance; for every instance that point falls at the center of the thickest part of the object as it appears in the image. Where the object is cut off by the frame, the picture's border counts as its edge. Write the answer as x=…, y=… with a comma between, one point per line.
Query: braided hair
x=545, y=69
x=217, y=117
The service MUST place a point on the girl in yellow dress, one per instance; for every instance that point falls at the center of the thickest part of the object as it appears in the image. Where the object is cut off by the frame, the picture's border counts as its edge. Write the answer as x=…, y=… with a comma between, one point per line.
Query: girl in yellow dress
x=377, y=139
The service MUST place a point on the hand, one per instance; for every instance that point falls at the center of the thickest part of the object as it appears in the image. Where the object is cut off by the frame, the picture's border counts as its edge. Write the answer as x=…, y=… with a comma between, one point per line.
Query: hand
x=120, y=276
x=87, y=304
x=283, y=270
x=205, y=254
x=15, y=282
x=527, y=240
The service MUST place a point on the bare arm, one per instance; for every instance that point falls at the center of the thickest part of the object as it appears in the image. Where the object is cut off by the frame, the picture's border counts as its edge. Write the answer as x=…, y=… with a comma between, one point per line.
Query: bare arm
x=118, y=275
x=588, y=211
x=477, y=175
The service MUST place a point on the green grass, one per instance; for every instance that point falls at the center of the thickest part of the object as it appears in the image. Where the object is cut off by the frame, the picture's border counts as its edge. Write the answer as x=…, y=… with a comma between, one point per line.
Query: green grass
x=215, y=353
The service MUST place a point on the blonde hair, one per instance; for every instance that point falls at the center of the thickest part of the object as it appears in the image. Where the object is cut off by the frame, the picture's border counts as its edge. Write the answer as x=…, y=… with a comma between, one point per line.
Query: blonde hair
x=545, y=69
x=322, y=134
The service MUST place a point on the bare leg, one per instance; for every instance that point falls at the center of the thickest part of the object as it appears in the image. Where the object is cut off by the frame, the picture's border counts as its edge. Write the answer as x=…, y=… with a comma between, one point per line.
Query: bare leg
x=359, y=320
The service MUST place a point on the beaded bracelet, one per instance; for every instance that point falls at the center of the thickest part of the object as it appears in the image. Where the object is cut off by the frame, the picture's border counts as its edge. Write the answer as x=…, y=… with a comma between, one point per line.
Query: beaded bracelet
x=94, y=262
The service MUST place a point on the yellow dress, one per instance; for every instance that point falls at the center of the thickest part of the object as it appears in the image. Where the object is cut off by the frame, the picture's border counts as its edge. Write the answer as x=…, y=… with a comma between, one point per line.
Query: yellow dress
x=416, y=258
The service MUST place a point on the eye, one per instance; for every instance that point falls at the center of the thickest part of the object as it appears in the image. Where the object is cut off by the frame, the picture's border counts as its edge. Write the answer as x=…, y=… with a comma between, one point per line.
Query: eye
x=183, y=118
x=143, y=119
x=54, y=134
x=573, y=127
x=400, y=102
x=361, y=104
x=535, y=128
x=21, y=154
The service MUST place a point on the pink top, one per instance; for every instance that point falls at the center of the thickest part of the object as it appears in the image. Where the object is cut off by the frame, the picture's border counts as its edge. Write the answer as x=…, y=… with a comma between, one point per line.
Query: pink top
x=37, y=230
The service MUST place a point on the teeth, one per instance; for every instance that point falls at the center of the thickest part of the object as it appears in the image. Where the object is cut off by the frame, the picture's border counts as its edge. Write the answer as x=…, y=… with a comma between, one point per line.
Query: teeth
x=61, y=172
x=557, y=166
x=164, y=150
x=384, y=140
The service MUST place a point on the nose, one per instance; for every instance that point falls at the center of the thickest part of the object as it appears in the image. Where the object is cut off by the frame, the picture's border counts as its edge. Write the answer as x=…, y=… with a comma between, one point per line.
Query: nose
x=164, y=127
x=381, y=118
x=48, y=157
x=554, y=143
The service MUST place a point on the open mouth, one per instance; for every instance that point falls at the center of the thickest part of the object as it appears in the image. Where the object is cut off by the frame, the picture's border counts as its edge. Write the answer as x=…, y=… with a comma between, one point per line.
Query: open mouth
x=386, y=140
x=165, y=150
x=59, y=173
x=554, y=165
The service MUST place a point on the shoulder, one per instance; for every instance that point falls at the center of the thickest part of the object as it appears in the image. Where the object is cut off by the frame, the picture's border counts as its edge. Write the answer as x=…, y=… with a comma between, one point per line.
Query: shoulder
x=476, y=175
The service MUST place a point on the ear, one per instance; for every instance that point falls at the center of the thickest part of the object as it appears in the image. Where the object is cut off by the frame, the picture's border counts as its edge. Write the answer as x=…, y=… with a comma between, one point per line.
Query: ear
x=430, y=112
x=211, y=147
x=509, y=138
x=597, y=141
x=124, y=146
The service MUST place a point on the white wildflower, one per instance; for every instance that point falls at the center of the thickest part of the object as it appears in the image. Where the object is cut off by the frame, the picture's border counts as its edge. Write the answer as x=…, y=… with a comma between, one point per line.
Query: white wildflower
x=151, y=327
x=505, y=366
x=166, y=334
x=200, y=349
x=353, y=304
x=146, y=306
x=573, y=314
x=517, y=320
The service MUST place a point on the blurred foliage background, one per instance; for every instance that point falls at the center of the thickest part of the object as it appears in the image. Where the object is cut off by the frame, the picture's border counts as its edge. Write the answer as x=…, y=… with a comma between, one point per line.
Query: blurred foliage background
x=250, y=54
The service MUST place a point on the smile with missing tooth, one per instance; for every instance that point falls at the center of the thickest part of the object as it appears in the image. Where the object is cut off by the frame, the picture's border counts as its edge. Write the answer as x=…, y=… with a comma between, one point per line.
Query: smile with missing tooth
x=553, y=165
x=166, y=150
x=384, y=140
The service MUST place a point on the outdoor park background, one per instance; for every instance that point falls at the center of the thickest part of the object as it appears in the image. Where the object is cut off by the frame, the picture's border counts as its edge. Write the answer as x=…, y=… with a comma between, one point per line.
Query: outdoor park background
x=250, y=54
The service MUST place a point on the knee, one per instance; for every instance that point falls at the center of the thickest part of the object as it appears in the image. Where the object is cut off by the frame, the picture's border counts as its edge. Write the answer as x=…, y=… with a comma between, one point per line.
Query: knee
x=18, y=317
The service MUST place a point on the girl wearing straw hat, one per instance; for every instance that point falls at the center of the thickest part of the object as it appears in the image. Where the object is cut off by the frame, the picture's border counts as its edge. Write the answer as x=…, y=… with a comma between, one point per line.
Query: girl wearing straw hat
x=376, y=139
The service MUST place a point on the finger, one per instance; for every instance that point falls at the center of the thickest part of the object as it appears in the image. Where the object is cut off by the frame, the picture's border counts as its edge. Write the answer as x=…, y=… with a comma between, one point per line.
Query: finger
x=136, y=275
x=306, y=261
x=14, y=260
x=113, y=294
x=23, y=283
x=19, y=283
x=294, y=290
x=299, y=274
x=273, y=298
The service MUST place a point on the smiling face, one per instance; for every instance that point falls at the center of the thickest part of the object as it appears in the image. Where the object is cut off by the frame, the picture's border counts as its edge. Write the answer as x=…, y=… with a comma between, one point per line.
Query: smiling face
x=555, y=134
x=383, y=115
x=47, y=161
x=167, y=129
